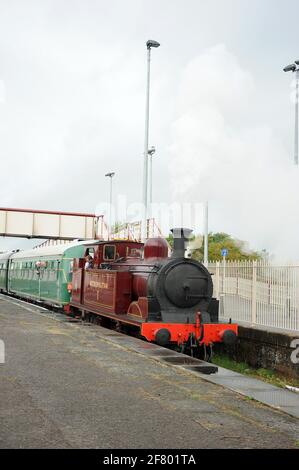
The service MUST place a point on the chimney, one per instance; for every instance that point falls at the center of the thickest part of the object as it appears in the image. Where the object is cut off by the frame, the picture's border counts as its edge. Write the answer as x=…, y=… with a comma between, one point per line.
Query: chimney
x=180, y=236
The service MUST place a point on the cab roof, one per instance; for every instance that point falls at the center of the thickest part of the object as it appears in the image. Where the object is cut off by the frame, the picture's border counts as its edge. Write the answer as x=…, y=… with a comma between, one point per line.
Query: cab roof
x=49, y=250
x=60, y=249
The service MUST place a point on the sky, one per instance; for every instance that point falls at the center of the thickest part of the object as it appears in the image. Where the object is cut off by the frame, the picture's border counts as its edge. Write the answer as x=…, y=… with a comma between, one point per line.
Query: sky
x=72, y=108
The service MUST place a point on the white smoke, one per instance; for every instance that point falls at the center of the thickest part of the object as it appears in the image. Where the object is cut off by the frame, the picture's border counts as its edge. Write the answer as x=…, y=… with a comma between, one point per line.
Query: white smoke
x=220, y=155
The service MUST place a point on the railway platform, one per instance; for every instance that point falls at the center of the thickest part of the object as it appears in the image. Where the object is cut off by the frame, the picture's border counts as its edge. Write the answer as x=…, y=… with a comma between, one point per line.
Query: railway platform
x=67, y=384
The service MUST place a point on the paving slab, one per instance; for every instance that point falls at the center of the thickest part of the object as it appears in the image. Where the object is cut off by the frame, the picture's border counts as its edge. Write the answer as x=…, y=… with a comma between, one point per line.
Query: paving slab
x=68, y=385
x=268, y=394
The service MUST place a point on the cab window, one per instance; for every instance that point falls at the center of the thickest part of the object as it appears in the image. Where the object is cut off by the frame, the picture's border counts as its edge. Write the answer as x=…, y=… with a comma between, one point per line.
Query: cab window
x=133, y=252
x=90, y=252
x=109, y=252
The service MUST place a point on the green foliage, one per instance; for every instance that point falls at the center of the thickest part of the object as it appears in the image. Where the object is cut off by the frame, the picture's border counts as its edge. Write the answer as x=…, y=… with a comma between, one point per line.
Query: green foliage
x=170, y=240
x=237, y=249
x=267, y=375
x=118, y=226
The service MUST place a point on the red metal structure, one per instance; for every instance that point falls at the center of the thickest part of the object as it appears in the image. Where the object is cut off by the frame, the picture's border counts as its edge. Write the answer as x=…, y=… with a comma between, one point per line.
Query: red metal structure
x=169, y=300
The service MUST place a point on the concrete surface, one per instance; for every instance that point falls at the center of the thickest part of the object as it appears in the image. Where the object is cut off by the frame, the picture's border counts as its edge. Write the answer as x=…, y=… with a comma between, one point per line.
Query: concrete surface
x=68, y=385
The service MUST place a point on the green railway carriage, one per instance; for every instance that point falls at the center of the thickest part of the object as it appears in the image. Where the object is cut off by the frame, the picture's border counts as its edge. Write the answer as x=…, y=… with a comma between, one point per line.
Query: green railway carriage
x=4, y=260
x=43, y=274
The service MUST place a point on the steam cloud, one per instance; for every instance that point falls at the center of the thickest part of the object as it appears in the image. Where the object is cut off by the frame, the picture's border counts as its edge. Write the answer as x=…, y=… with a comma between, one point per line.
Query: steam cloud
x=220, y=155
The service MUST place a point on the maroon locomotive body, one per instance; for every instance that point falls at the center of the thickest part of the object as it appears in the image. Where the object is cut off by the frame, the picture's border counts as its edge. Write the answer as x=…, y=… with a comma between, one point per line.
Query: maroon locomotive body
x=168, y=299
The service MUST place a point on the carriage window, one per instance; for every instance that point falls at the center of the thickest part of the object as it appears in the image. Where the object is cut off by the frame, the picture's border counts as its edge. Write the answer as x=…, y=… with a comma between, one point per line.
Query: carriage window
x=109, y=252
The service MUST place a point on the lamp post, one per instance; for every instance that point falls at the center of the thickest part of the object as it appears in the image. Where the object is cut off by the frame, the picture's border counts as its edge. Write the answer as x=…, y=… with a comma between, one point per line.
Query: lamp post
x=294, y=68
x=151, y=153
x=149, y=45
x=110, y=175
x=206, y=234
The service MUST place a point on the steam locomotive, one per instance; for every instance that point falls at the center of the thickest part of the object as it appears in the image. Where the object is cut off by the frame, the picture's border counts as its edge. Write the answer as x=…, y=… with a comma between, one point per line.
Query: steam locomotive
x=137, y=288
x=167, y=300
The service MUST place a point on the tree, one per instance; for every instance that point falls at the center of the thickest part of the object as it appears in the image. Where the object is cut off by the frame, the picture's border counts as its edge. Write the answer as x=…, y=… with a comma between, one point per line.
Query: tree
x=237, y=249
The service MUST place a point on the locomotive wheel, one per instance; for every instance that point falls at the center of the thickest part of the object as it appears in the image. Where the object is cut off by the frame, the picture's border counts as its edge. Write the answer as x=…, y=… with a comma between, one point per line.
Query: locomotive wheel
x=190, y=347
x=206, y=353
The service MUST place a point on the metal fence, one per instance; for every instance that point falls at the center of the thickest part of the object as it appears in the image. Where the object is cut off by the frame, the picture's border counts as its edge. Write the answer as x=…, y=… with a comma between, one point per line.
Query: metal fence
x=257, y=292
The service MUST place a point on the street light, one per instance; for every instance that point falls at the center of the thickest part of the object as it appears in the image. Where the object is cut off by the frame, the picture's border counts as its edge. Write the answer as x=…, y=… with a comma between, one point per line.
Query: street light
x=149, y=44
x=206, y=234
x=290, y=68
x=151, y=152
x=110, y=175
x=294, y=68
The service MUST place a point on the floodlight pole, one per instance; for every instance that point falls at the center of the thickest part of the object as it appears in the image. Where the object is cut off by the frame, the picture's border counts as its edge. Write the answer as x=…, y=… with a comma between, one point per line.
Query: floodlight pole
x=151, y=152
x=149, y=45
x=206, y=234
x=296, y=118
x=110, y=175
x=294, y=68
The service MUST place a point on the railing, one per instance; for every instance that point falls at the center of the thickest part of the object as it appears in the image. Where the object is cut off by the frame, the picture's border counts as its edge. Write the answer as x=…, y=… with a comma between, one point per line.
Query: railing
x=132, y=231
x=257, y=292
x=127, y=231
